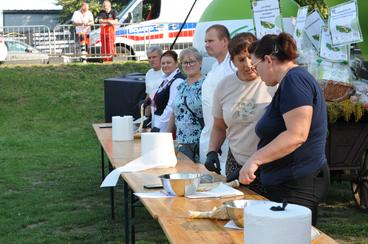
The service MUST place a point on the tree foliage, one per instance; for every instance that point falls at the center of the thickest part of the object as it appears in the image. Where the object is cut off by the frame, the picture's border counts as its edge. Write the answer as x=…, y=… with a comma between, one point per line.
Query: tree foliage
x=69, y=6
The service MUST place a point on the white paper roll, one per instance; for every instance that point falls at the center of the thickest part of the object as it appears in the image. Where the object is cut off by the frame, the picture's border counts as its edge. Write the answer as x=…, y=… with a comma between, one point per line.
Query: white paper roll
x=128, y=128
x=117, y=132
x=262, y=225
x=157, y=152
x=150, y=141
x=122, y=128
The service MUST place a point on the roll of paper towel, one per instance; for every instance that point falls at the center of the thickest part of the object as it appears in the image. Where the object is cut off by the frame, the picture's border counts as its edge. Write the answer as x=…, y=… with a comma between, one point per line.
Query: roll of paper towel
x=122, y=128
x=157, y=152
x=150, y=141
x=262, y=225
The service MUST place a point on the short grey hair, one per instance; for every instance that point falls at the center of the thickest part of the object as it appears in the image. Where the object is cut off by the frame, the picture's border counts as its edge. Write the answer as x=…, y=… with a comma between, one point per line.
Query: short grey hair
x=153, y=49
x=190, y=51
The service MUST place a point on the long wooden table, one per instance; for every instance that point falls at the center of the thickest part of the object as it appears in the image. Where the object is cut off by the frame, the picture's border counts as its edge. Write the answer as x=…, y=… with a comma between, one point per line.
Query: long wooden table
x=172, y=213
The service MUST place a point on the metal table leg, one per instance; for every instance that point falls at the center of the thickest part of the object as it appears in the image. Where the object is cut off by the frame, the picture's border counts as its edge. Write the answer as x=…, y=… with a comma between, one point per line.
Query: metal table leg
x=102, y=164
x=132, y=208
x=126, y=213
x=112, y=196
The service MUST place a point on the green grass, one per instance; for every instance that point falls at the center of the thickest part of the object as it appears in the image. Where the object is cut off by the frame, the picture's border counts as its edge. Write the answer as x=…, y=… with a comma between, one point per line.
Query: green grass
x=50, y=168
x=49, y=156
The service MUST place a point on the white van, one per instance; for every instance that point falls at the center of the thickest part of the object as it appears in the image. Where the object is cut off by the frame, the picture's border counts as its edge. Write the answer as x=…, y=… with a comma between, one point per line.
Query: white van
x=155, y=22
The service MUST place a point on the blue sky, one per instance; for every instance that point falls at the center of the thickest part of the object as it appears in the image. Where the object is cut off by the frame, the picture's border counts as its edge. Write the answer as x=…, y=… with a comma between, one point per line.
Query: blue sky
x=28, y=4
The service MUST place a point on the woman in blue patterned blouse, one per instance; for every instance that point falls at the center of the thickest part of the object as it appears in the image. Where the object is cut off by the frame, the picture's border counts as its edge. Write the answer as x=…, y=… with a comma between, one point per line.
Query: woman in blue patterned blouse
x=187, y=119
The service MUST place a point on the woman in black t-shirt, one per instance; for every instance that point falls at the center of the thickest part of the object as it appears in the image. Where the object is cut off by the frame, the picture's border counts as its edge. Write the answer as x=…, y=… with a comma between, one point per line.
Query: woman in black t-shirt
x=293, y=131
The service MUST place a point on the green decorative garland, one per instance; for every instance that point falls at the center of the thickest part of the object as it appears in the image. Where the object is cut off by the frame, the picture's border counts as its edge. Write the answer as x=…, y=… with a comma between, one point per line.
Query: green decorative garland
x=346, y=110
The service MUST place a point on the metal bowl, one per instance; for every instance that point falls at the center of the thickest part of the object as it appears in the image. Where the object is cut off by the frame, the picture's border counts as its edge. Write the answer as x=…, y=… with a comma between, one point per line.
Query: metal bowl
x=180, y=184
x=235, y=209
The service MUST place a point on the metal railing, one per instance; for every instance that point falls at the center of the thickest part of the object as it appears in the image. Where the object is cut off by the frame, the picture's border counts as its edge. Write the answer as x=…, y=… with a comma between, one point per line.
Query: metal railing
x=128, y=41
x=30, y=35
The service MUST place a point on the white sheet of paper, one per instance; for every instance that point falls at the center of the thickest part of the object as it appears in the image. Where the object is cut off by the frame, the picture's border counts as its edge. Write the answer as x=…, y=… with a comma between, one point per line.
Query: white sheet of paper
x=153, y=194
x=344, y=24
x=313, y=27
x=222, y=191
x=300, y=24
x=267, y=17
x=330, y=52
x=314, y=233
x=232, y=225
x=160, y=157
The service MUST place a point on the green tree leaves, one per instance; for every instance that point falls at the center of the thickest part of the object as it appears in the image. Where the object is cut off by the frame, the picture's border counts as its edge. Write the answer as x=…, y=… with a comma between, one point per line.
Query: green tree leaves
x=69, y=6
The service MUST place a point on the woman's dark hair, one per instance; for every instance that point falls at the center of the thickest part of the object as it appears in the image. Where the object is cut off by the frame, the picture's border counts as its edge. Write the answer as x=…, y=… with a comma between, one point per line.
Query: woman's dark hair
x=240, y=43
x=171, y=53
x=281, y=46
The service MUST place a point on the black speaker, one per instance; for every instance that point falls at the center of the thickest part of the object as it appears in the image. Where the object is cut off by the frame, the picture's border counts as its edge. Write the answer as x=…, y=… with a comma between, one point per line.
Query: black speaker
x=123, y=94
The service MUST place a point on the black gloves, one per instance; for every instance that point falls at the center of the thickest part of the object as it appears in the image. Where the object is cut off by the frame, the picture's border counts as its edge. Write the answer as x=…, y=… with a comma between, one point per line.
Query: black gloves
x=155, y=129
x=213, y=162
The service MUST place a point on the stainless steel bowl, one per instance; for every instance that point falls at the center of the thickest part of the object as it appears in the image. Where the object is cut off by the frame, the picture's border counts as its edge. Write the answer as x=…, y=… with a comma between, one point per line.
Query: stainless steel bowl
x=235, y=209
x=180, y=184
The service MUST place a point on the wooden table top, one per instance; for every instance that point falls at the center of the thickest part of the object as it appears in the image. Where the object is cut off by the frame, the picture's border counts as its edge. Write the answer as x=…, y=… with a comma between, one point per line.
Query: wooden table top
x=172, y=212
x=118, y=152
x=177, y=206
x=184, y=230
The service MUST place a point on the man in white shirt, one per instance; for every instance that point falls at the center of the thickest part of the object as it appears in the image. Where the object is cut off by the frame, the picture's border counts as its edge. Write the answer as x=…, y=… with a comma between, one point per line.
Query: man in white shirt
x=153, y=77
x=217, y=40
x=83, y=19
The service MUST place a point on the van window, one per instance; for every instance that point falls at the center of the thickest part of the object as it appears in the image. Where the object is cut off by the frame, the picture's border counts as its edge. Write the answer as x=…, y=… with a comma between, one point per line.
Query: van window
x=151, y=9
x=136, y=13
x=145, y=10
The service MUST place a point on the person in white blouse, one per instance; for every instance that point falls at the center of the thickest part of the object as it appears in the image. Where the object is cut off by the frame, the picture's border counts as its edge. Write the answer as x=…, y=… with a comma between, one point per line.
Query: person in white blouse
x=239, y=101
x=153, y=77
x=83, y=19
x=217, y=39
x=166, y=92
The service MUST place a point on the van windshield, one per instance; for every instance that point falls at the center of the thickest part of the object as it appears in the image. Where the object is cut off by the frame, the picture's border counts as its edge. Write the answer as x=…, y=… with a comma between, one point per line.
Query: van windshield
x=138, y=11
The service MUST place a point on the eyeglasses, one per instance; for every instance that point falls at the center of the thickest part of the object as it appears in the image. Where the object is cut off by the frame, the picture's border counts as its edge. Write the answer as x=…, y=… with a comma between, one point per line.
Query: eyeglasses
x=274, y=52
x=254, y=66
x=189, y=63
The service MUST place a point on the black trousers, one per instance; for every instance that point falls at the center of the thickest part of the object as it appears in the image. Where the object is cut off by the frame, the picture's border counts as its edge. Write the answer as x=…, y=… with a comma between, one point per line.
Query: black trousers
x=308, y=191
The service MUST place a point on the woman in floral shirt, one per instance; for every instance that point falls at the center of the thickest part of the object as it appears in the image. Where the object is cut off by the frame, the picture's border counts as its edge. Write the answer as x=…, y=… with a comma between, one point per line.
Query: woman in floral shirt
x=187, y=119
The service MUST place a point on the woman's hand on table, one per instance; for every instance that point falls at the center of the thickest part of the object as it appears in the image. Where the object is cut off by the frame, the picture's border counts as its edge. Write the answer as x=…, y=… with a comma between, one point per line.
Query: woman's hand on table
x=247, y=172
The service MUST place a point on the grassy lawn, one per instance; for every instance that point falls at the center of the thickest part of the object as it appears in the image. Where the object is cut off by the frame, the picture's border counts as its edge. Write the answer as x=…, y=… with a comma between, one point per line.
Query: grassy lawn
x=49, y=163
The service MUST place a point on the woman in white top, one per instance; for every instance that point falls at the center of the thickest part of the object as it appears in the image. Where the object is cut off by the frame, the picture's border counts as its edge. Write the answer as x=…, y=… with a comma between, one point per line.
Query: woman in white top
x=153, y=78
x=167, y=90
x=239, y=101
